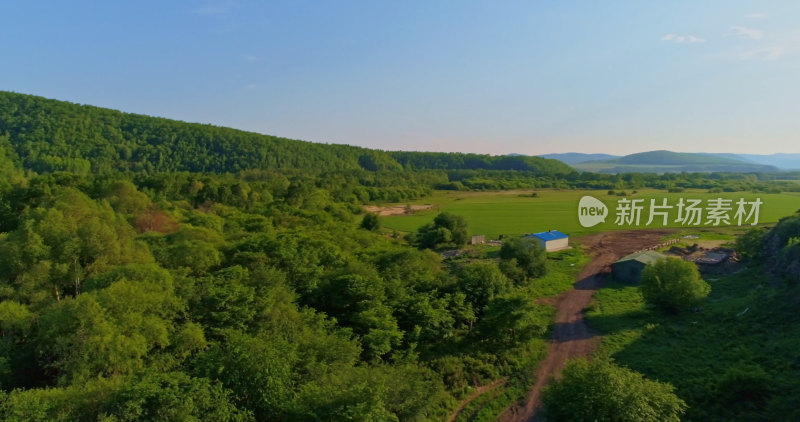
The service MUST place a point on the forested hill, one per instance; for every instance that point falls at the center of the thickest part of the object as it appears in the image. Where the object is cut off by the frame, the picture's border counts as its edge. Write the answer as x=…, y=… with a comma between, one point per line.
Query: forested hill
x=48, y=135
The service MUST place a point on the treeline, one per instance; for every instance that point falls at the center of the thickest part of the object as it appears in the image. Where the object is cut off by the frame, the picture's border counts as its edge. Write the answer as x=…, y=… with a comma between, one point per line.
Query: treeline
x=718, y=182
x=47, y=135
x=219, y=297
x=456, y=160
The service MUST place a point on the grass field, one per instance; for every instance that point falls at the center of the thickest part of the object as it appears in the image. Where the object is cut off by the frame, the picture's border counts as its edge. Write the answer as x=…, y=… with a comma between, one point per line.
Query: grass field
x=735, y=359
x=518, y=212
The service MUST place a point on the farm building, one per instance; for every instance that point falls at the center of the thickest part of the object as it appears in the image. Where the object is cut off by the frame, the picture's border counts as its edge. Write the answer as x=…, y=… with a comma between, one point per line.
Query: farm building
x=629, y=268
x=478, y=240
x=551, y=240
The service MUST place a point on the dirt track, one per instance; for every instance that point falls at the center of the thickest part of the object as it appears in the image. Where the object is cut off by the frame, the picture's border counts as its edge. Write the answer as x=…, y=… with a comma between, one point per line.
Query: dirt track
x=571, y=337
x=475, y=394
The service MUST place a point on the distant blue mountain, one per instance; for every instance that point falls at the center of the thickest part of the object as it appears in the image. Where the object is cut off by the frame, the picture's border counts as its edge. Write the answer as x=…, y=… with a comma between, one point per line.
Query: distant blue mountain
x=675, y=162
x=781, y=161
x=707, y=161
x=578, y=157
x=739, y=157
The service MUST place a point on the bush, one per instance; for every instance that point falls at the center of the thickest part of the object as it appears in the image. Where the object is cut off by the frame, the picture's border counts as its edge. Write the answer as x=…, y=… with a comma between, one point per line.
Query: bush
x=749, y=245
x=528, y=256
x=673, y=284
x=446, y=229
x=602, y=391
x=370, y=222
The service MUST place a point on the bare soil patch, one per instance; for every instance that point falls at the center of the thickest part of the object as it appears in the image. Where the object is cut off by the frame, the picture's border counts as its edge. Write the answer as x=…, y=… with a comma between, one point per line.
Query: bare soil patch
x=397, y=209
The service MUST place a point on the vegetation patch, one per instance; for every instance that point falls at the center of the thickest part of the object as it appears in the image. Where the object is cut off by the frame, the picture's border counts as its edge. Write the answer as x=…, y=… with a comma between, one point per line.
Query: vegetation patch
x=733, y=359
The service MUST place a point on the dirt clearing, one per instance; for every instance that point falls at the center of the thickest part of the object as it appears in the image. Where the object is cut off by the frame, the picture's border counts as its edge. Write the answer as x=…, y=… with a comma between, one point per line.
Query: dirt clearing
x=397, y=209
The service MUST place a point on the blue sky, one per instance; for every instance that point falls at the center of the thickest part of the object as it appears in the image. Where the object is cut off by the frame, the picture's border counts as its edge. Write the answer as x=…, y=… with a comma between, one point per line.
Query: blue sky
x=493, y=77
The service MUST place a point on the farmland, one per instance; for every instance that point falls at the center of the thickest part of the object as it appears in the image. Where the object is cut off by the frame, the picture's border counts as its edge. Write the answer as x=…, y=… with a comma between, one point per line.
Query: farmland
x=516, y=212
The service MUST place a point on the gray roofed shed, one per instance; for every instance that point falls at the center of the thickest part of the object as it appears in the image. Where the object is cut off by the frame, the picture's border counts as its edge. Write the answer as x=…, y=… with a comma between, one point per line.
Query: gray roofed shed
x=629, y=268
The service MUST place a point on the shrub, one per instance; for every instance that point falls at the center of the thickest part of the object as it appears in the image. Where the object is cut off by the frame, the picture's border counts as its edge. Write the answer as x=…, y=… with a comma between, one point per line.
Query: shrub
x=749, y=245
x=602, y=391
x=370, y=222
x=530, y=258
x=673, y=284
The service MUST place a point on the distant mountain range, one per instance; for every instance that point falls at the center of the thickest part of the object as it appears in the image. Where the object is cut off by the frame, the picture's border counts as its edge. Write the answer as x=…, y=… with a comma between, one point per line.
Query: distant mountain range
x=782, y=161
x=578, y=157
x=668, y=162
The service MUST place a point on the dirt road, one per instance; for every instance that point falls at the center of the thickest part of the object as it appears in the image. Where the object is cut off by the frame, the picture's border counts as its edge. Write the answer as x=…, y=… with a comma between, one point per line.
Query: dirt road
x=571, y=337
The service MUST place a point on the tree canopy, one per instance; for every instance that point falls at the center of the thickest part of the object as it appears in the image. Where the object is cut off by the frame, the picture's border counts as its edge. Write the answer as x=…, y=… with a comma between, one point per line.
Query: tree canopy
x=447, y=229
x=236, y=297
x=48, y=135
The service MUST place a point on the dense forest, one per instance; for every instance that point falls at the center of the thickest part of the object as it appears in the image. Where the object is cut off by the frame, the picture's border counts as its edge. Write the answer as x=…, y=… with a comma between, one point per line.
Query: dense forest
x=156, y=270
x=159, y=297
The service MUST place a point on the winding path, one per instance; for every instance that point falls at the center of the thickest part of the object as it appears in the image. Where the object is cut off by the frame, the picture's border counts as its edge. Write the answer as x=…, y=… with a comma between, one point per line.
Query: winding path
x=474, y=395
x=571, y=336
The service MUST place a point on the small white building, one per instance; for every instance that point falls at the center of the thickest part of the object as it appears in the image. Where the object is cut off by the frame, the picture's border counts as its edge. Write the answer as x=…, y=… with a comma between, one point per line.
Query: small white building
x=551, y=240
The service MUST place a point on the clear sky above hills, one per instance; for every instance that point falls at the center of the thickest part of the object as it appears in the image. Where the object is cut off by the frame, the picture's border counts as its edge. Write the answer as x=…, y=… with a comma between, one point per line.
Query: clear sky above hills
x=493, y=77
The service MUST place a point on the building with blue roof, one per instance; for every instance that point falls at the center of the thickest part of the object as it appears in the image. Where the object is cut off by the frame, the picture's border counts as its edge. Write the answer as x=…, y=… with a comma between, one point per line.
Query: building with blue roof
x=551, y=240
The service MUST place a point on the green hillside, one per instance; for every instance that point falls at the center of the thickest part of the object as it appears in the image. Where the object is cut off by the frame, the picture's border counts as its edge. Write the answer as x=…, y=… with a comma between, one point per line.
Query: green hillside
x=48, y=135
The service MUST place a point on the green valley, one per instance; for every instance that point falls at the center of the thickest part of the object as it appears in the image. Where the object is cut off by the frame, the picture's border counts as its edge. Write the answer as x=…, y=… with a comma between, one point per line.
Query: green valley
x=152, y=269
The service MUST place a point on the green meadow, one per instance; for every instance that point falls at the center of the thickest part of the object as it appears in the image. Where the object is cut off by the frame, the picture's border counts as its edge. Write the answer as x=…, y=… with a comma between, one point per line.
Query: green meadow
x=516, y=212
x=735, y=358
